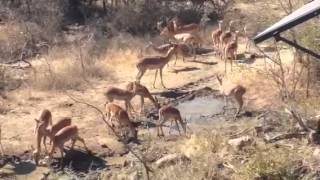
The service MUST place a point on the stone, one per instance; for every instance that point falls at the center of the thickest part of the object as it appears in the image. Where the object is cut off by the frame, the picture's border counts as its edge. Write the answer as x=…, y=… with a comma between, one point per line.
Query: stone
x=239, y=143
x=171, y=159
x=7, y=171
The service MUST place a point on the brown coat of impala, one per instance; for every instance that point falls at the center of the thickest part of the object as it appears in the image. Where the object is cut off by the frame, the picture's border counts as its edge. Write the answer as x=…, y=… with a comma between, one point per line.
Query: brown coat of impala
x=40, y=131
x=115, y=93
x=119, y=120
x=154, y=63
x=231, y=50
x=169, y=113
x=44, y=130
x=216, y=35
x=143, y=92
x=62, y=136
x=235, y=91
x=226, y=37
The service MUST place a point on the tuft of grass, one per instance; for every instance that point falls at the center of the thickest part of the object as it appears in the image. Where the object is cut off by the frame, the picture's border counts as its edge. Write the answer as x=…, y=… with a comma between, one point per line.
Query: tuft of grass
x=269, y=163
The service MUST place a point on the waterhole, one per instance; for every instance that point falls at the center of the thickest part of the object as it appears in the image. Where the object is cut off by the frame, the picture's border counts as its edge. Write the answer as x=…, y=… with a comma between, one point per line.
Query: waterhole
x=196, y=109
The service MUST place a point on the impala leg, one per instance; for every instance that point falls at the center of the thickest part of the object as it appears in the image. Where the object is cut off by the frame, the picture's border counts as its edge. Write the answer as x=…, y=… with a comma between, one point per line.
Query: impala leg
x=155, y=78
x=177, y=126
x=170, y=127
x=162, y=133
x=139, y=75
x=175, y=62
x=142, y=104
x=239, y=100
x=61, y=152
x=44, y=144
x=183, y=125
x=161, y=78
x=159, y=124
x=73, y=142
x=231, y=62
x=83, y=142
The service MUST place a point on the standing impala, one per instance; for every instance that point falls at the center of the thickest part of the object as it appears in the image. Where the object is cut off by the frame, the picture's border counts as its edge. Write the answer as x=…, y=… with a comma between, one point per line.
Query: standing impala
x=154, y=63
x=216, y=35
x=119, y=119
x=61, y=137
x=231, y=50
x=226, y=37
x=169, y=113
x=143, y=92
x=234, y=91
x=43, y=131
x=114, y=93
x=40, y=130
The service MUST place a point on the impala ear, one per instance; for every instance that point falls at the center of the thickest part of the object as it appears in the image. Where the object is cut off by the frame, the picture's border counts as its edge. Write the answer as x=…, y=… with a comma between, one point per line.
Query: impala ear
x=37, y=120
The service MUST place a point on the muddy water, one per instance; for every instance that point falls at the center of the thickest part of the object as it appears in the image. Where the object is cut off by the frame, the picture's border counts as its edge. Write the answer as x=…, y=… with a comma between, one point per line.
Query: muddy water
x=196, y=109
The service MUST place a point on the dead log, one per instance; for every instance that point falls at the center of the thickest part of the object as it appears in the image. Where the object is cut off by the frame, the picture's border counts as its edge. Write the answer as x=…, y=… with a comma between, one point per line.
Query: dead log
x=284, y=136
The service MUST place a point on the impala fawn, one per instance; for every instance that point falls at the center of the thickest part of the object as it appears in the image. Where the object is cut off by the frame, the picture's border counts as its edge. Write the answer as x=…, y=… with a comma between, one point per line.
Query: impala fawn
x=169, y=113
x=234, y=91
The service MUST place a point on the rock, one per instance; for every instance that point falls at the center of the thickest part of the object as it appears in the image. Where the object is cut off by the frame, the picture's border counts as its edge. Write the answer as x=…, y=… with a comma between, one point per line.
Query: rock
x=6, y=171
x=171, y=159
x=239, y=143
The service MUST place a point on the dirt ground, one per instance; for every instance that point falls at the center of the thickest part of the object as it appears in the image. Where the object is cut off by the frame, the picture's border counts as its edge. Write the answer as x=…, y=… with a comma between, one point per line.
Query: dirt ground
x=24, y=105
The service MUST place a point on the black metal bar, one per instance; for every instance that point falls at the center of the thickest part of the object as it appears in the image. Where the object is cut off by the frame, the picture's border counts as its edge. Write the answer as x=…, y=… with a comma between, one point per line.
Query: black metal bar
x=263, y=37
x=291, y=43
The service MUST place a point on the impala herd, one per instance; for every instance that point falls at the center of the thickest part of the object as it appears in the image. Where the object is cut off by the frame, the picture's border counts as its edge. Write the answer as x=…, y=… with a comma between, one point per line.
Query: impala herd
x=186, y=37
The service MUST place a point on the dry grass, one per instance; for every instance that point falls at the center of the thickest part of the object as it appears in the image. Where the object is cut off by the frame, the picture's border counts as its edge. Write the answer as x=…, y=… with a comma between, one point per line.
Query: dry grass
x=67, y=72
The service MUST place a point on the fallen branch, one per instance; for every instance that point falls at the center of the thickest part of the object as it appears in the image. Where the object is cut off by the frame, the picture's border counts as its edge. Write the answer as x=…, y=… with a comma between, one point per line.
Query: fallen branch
x=298, y=119
x=147, y=168
x=284, y=136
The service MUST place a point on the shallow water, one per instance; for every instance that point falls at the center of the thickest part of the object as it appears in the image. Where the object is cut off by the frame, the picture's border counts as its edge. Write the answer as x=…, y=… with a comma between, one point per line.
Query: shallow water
x=197, y=109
